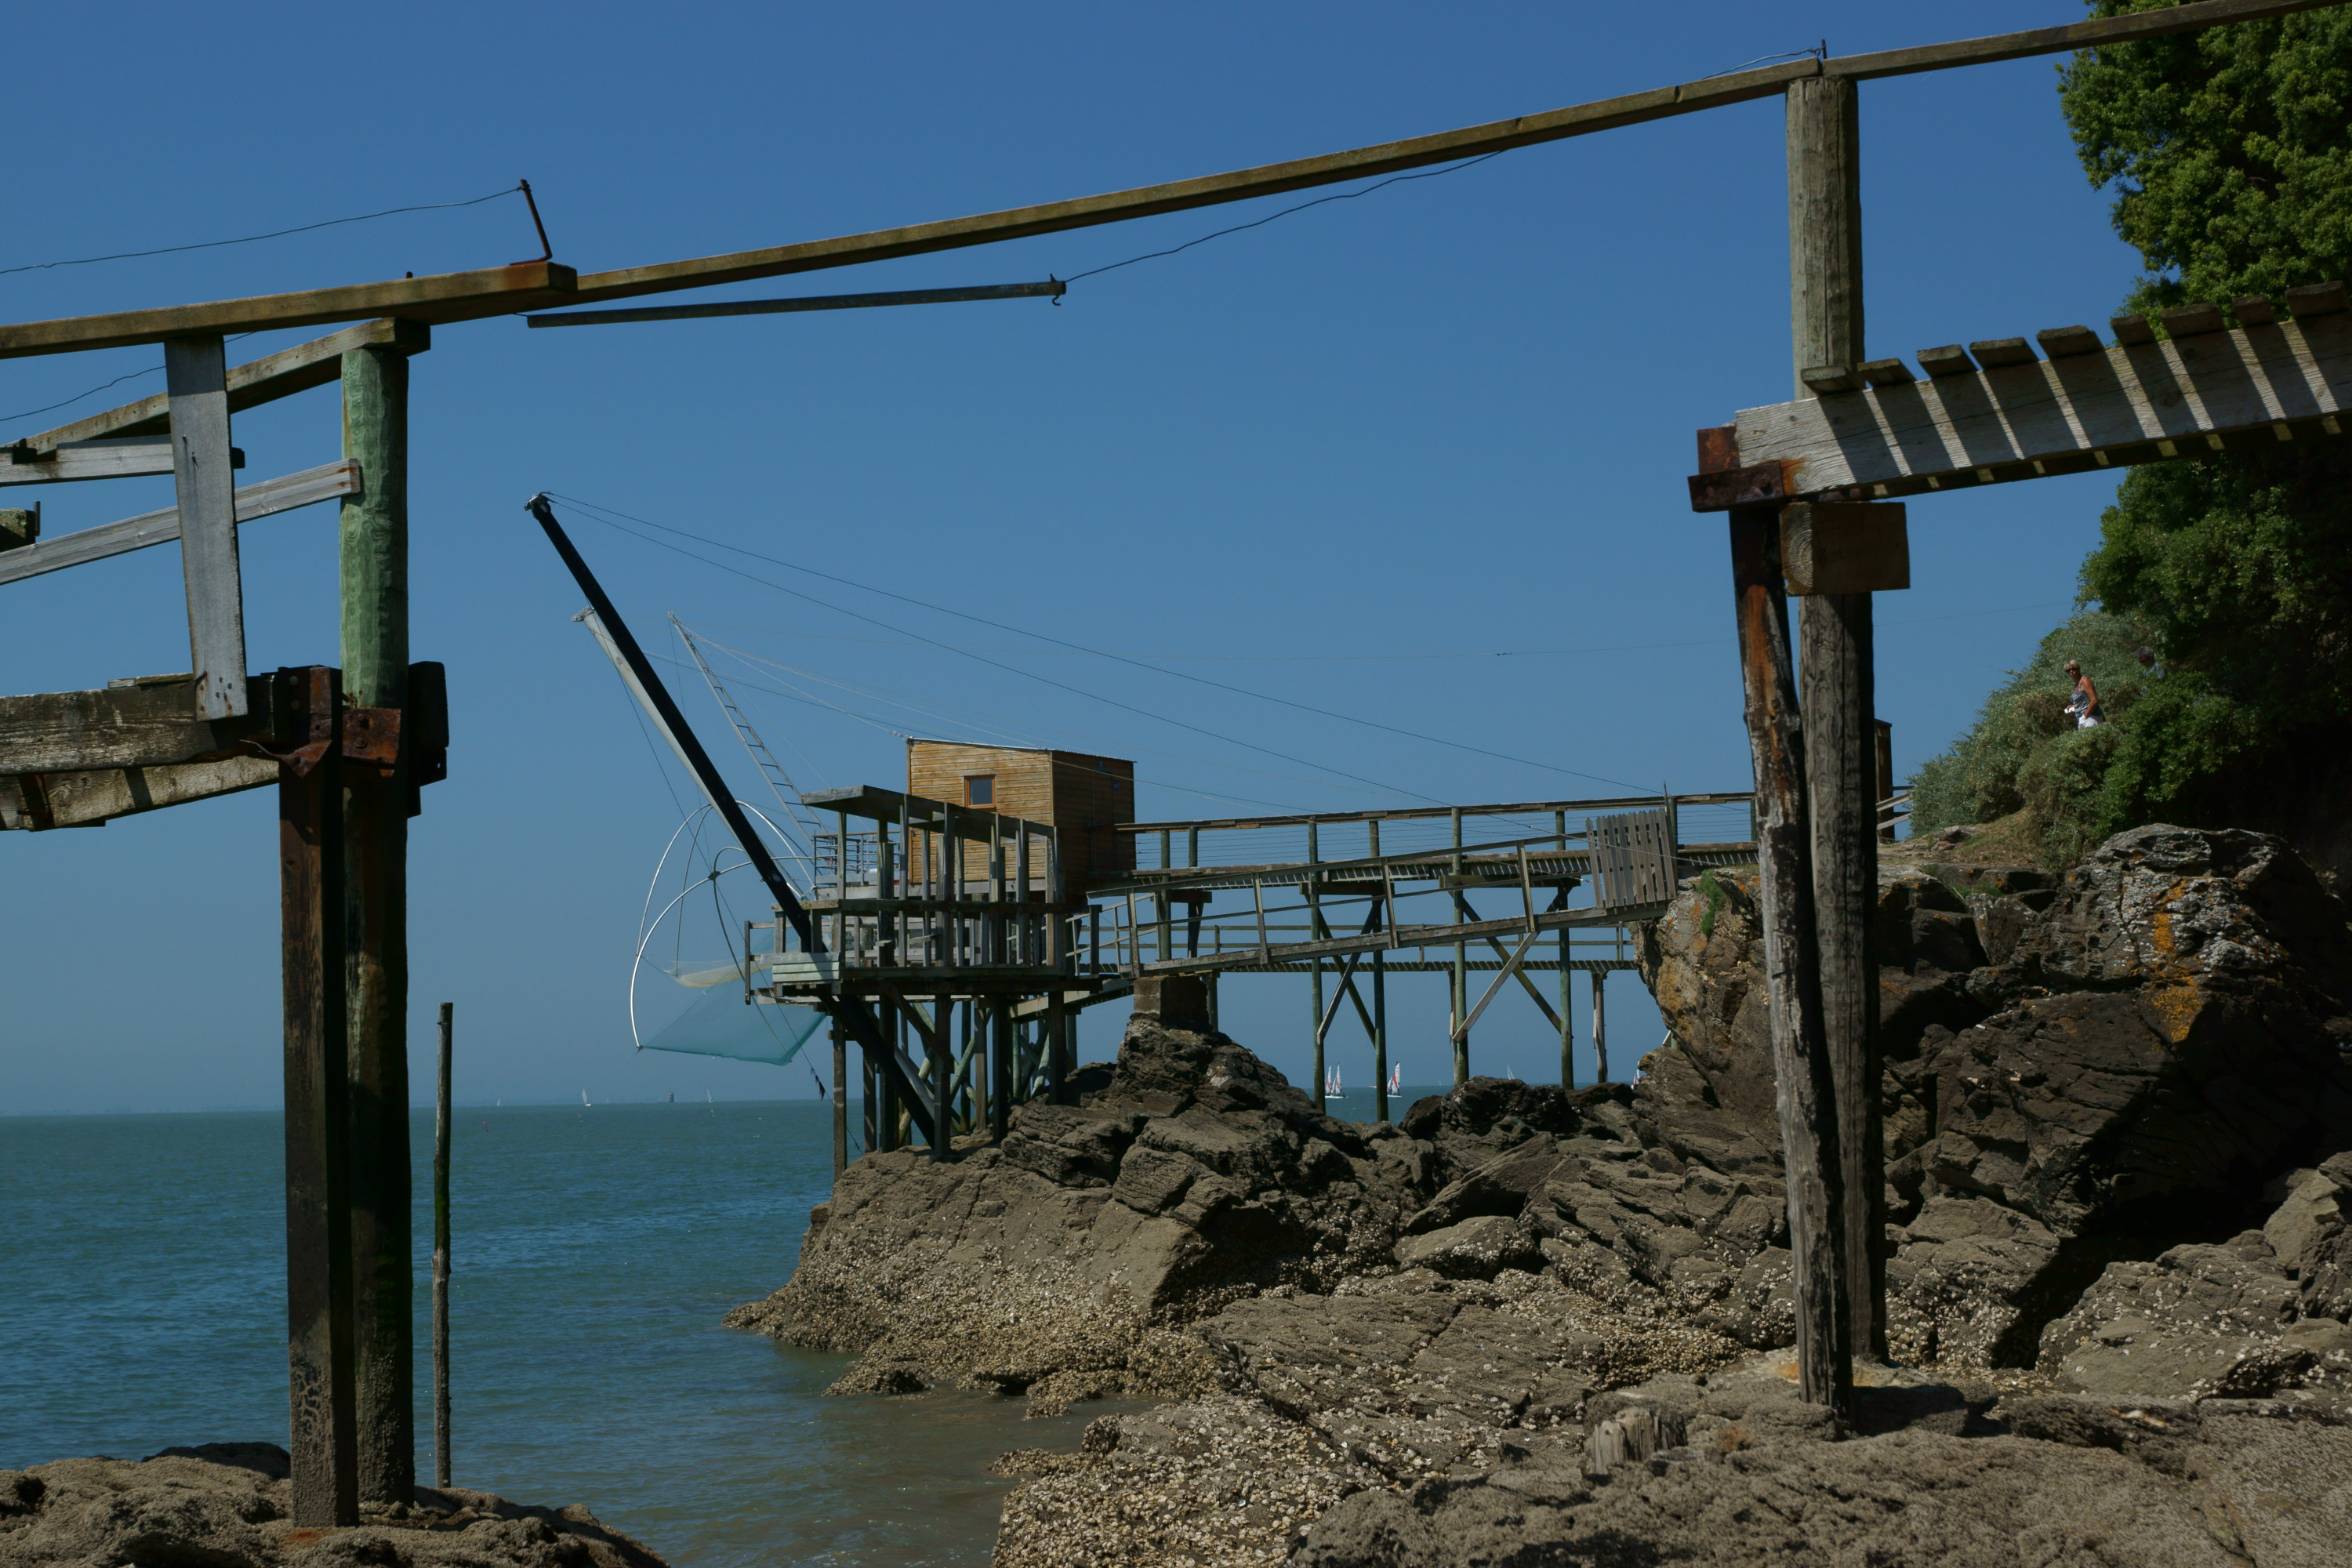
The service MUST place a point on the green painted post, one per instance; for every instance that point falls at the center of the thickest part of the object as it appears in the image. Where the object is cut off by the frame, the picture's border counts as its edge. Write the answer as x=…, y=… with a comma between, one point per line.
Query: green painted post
x=374, y=540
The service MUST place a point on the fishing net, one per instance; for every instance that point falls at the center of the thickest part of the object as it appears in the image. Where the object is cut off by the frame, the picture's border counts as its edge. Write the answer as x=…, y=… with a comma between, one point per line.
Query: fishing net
x=720, y=1023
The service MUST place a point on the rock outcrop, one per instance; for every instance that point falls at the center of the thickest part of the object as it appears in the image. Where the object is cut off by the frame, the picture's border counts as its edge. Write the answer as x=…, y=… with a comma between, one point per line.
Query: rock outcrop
x=228, y=1505
x=2075, y=1074
x=2118, y=1109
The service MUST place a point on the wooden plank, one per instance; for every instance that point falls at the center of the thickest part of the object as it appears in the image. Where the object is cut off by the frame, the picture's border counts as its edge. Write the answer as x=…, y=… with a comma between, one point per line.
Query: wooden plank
x=250, y=385
x=2118, y=404
x=325, y=483
x=2067, y=342
x=1805, y=1092
x=112, y=459
x=1271, y=179
x=131, y=727
x=39, y=800
x=444, y=297
x=1411, y=813
x=1440, y=936
x=498, y=291
x=195, y=371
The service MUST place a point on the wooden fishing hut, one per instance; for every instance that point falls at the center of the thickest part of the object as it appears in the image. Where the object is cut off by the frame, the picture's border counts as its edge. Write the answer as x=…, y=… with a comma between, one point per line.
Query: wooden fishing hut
x=954, y=915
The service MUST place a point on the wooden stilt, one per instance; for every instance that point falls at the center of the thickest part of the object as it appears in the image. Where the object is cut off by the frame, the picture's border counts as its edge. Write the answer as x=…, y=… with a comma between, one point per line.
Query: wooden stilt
x=1000, y=1061
x=441, y=1256
x=1566, y=979
x=1315, y=926
x=1459, y=980
x=1804, y=1089
x=324, y=1445
x=840, y=1097
x=1824, y=141
x=374, y=571
x=1600, y=1025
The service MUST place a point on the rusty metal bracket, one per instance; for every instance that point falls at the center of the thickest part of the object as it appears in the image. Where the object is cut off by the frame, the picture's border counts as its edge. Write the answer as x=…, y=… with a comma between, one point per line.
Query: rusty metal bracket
x=371, y=735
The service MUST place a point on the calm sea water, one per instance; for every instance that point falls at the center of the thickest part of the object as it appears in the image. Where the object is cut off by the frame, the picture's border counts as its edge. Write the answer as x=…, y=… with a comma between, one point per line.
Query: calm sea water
x=143, y=1281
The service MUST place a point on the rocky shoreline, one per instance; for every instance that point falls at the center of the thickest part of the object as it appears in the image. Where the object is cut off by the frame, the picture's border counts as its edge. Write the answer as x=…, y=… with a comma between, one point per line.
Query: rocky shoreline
x=2119, y=1119
x=229, y=1505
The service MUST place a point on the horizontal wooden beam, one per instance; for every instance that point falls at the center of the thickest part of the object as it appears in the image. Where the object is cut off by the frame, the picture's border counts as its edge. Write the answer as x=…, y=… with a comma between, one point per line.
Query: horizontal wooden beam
x=137, y=726
x=878, y=805
x=1406, y=936
x=1411, y=813
x=1391, y=157
x=113, y=459
x=35, y=802
x=325, y=483
x=471, y=296
x=2133, y=402
x=445, y=296
x=251, y=384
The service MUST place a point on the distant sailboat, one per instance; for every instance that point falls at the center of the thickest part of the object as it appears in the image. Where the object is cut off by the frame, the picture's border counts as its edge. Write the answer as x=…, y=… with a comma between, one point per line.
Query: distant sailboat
x=1332, y=1089
x=1396, y=1078
x=583, y=1099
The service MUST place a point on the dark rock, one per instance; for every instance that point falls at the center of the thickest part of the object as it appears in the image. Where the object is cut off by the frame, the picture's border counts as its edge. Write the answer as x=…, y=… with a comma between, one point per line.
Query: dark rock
x=228, y=1505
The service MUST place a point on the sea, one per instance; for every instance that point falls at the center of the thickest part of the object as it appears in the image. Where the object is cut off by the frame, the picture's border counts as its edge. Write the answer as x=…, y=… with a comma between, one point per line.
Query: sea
x=594, y=1250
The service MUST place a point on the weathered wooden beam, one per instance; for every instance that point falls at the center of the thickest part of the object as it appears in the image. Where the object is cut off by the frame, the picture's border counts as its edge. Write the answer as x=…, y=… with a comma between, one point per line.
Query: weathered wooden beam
x=1805, y=1091
x=110, y=459
x=325, y=483
x=35, y=802
x=444, y=297
x=322, y=1443
x=373, y=592
x=879, y=804
x=1402, y=936
x=498, y=291
x=140, y=726
x=2132, y=403
x=251, y=384
x=195, y=371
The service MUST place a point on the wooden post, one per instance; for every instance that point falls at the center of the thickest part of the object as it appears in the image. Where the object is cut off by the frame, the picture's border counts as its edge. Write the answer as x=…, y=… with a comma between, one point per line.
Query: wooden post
x=1883, y=748
x=1380, y=999
x=1824, y=134
x=840, y=1096
x=943, y=1068
x=374, y=571
x=324, y=1446
x=195, y=373
x=1804, y=1090
x=1000, y=1056
x=1315, y=930
x=1599, y=1027
x=1459, y=981
x=441, y=1258
x=1567, y=976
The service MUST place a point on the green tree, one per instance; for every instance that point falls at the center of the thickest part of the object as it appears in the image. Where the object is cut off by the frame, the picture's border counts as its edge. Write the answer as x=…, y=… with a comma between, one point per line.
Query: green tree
x=2229, y=154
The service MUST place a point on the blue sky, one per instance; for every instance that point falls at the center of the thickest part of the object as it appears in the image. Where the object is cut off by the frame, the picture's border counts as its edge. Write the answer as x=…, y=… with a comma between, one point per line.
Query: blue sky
x=1329, y=459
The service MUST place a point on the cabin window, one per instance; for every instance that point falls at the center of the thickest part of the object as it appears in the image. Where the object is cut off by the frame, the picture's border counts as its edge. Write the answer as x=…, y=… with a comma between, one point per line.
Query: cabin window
x=980, y=789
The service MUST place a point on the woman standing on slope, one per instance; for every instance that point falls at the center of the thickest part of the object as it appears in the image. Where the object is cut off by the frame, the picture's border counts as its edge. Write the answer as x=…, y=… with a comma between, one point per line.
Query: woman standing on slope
x=2084, y=703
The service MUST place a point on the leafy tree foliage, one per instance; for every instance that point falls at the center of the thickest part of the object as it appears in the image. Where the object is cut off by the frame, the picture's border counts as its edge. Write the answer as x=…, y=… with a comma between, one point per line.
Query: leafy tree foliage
x=2229, y=154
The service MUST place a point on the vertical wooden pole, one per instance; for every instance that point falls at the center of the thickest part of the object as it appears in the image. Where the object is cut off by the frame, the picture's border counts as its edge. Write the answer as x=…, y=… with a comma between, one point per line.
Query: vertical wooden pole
x=1000, y=1087
x=1804, y=1090
x=441, y=1256
x=1315, y=931
x=320, y=1381
x=1380, y=997
x=840, y=1096
x=1458, y=982
x=374, y=572
x=1882, y=788
x=1599, y=1027
x=1824, y=135
x=943, y=1069
x=196, y=374
x=887, y=1129
x=1566, y=979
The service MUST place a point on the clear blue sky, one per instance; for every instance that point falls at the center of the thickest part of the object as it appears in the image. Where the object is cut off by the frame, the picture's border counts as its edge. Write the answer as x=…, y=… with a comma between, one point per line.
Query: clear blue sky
x=1451, y=418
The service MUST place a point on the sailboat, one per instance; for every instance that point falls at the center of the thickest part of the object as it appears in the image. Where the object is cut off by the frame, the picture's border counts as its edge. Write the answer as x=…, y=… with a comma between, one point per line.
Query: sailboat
x=1332, y=1089
x=583, y=1100
x=1396, y=1078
